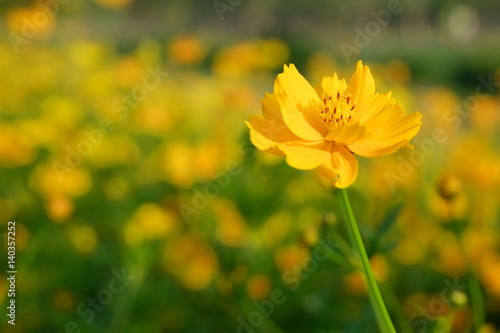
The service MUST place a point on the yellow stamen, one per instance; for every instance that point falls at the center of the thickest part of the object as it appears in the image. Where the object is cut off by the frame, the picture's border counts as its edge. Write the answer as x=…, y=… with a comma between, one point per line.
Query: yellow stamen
x=337, y=110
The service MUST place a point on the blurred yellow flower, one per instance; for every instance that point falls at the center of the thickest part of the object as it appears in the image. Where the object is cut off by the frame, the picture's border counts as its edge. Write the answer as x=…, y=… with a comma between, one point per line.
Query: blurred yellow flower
x=448, y=201
x=476, y=163
x=153, y=119
x=291, y=256
x=486, y=117
x=192, y=260
x=43, y=131
x=178, y=165
x=15, y=149
x=61, y=112
x=258, y=287
x=75, y=183
x=273, y=52
x=87, y=55
x=489, y=270
x=323, y=127
x=380, y=267
x=354, y=284
x=479, y=244
x=152, y=222
x=187, y=50
x=231, y=225
x=105, y=153
x=30, y=21
x=83, y=238
x=184, y=164
x=128, y=72
x=59, y=208
x=449, y=186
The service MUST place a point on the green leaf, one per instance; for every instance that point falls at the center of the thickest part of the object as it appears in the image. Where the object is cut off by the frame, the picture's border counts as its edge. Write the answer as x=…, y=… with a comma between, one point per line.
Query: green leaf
x=385, y=226
x=389, y=221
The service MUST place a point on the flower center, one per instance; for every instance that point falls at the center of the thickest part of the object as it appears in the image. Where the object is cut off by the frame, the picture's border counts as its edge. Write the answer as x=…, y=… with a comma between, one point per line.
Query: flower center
x=337, y=110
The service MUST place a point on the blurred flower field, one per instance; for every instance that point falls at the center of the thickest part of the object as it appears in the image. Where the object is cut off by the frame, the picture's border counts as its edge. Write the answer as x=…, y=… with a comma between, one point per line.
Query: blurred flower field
x=137, y=163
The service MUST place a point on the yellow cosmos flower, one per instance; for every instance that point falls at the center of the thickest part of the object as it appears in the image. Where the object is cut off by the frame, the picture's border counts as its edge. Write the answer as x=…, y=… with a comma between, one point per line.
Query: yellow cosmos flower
x=323, y=127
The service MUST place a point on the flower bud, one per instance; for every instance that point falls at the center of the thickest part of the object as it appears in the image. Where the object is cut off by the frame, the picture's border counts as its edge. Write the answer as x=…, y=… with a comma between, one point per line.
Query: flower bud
x=449, y=186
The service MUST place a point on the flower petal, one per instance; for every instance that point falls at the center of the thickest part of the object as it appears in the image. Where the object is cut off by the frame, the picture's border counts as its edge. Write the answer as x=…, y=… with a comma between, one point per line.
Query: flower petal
x=348, y=133
x=362, y=89
x=341, y=166
x=330, y=85
x=386, y=111
x=304, y=126
x=299, y=104
x=387, y=140
x=271, y=107
x=291, y=83
x=306, y=155
x=380, y=103
x=265, y=134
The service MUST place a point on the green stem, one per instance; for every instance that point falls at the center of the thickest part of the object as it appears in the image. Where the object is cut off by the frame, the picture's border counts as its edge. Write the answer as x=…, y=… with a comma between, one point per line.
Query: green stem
x=383, y=319
x=477, y=300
